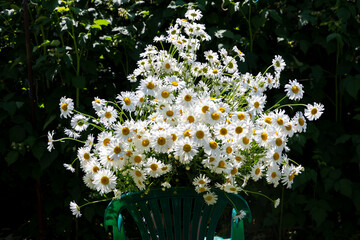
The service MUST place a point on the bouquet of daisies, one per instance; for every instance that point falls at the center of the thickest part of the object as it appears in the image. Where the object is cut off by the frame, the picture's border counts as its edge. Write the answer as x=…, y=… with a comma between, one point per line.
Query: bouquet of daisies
x=193, y=120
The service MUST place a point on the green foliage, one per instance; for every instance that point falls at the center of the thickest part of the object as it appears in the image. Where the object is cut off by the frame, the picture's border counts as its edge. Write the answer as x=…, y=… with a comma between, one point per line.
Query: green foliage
x=87, y=48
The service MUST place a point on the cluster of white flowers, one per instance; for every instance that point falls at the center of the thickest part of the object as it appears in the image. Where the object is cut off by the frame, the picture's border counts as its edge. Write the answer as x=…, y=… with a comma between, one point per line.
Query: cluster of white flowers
x=192, y=116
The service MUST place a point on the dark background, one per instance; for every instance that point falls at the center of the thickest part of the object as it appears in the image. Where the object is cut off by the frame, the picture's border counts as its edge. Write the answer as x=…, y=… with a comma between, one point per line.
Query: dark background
x=319, y=40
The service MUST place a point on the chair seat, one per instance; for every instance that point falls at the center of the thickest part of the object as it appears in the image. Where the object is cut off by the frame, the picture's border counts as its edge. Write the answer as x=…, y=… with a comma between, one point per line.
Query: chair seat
x=176, y=213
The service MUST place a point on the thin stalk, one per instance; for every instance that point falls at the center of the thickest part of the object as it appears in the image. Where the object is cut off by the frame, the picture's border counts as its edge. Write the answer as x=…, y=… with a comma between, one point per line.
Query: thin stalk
x=337, y=105
x=281, y=213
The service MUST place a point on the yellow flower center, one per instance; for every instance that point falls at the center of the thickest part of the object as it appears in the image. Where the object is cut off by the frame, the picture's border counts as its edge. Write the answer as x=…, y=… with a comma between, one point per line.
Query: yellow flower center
x=154, y=166
x=97, y=101
x=234, y=171
x=175, y=84
x=167, y=65
x=150, y=85
x=117, y=150
x=187, y=148
x=301, y=121
x=238, y=130
x=174, y=137
x=202, y=189
x=222, y=109
x=187, y=133
x=276, y=156
x=295, y=89
x=86, y=156
x=204, y=109
x=137, y=159
x=208, y=198
x=64, y=106
x=191, y=119
x=215, y=116
x=213, y=144
x=187, y=98
x=215, y=71
x=125, y=130
x=257, y=171
x=108, y=114
x=280, y=121
x=202, y=182
x=273, y=174
x=238, y=158
x=278, y=142
x=221, y=164
x=268, y=120
x=246, y=140
x=241, y=116
x=288, y=127
x=229, y=150
x=95, y=169
x=314, y=111
x=165, y=94
x=256, y=104
x=106, y=141
x=169, y=113
x=264, y=136
x=161, y=141
x=223, y=131
x=291, y=177
x=145, y=142
x=105, y=180
x=138, y=173
x=127, y=101
x=200, y=134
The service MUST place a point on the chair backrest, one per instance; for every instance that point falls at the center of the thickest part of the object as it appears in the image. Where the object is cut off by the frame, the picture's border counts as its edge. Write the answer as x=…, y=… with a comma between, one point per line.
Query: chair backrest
x=176, y=213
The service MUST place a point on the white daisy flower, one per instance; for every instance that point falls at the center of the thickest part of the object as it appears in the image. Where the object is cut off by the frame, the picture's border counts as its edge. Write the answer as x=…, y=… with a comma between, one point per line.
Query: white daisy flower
x=257, y=171
x=294, y=90
x=50, y=141
x=314, y=111
x=98, y=104
x=193, y=15
x=128, y=100
x=210, y=198
x=75, y=209
x=66, y=107
x=186, y=149
x=299, y=122
x=239, y=216
x=108, y=116
x=273, y=175
x=69, y=167
x=278, y=63
x=153, y=168
x=104, y=181
x=79, y=122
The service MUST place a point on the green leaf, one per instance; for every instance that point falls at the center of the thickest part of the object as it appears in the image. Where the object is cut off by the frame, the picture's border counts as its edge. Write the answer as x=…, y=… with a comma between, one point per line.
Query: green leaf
x=344, y=138
x=318, y=210
x=12, y=157
x=275, y=15
x=39, y=149
x=50, y=120
x=79, y=82
x=343, y=14
x=102, y=22
x=17, y=133
x=336, y=36
x=344, y=187
x=55, y=43
x=352, y=85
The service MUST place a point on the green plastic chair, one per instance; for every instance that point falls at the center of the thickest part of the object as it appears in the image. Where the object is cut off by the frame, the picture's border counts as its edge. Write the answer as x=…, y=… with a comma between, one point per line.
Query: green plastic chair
x=177, y=213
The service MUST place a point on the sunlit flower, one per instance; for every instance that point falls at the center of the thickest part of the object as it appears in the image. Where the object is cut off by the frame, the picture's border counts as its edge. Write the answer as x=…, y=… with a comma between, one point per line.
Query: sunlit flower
x=314, y=111
x=66, y=107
